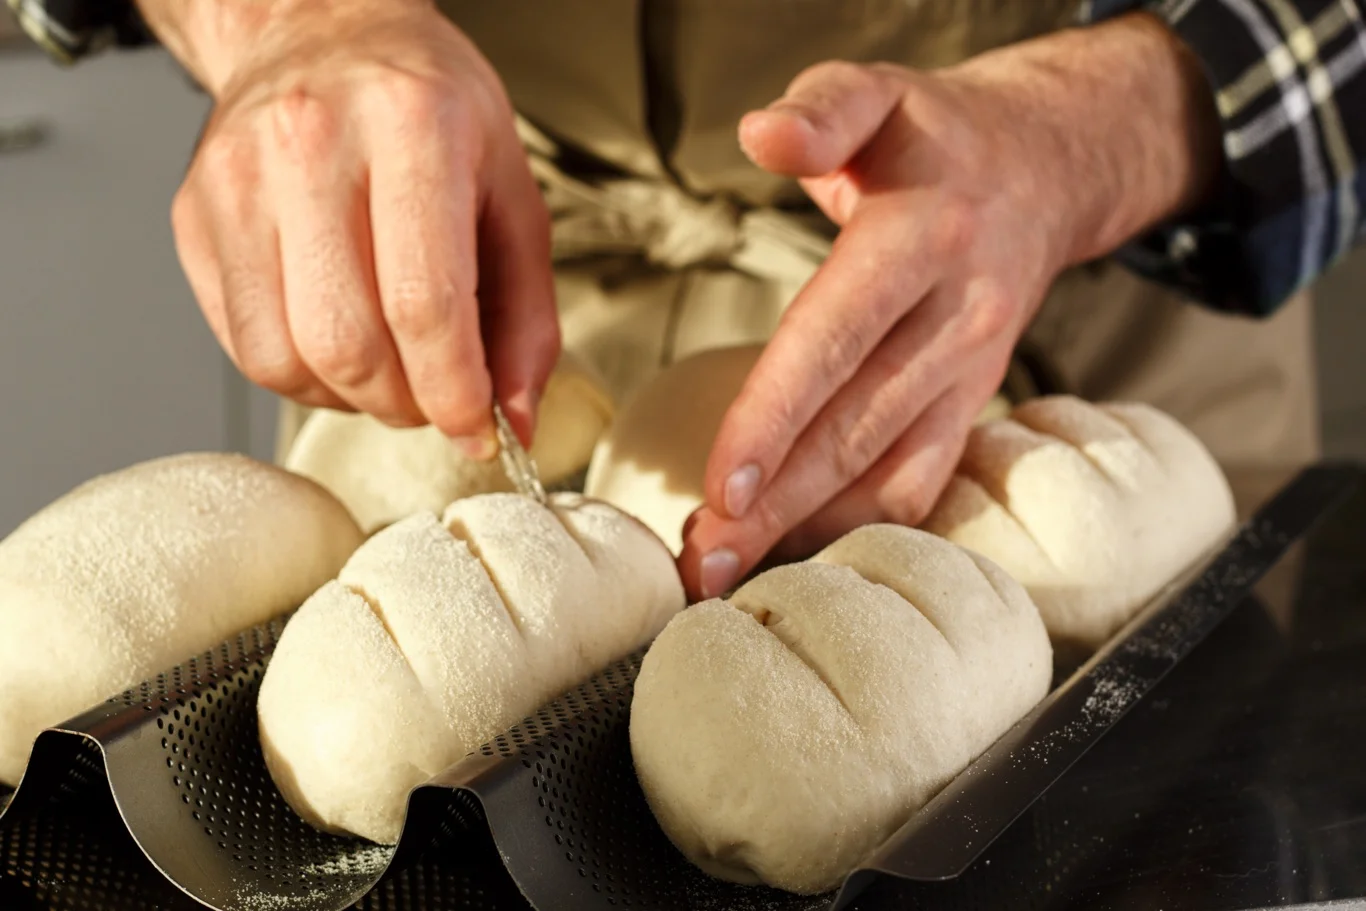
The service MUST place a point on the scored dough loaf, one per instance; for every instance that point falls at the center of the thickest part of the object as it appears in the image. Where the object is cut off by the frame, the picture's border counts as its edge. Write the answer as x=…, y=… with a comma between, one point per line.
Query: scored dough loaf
x=1092, y=507
x=652, y=461
x=135, y=571
x=781, y=735
x=383, y=474
x=438, y=635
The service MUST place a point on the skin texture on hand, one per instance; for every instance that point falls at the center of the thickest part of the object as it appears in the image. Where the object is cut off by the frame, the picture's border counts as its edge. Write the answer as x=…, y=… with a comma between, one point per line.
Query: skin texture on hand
x=359, y=223
x=961, y=194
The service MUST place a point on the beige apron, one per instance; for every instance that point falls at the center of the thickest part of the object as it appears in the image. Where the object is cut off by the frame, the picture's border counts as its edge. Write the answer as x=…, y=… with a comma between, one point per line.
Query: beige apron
x=667, y=240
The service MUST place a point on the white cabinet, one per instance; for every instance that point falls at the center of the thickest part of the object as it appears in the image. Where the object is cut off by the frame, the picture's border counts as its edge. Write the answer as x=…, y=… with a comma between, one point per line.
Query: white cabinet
x=104, y=358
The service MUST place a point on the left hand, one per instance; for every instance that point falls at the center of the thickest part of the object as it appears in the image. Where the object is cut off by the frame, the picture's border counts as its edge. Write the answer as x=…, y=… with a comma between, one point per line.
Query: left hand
x=960, y=199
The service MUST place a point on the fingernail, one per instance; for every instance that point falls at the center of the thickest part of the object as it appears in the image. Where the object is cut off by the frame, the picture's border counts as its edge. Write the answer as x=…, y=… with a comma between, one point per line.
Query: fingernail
x=719, y=569
x=741, y=488
x=480, y=448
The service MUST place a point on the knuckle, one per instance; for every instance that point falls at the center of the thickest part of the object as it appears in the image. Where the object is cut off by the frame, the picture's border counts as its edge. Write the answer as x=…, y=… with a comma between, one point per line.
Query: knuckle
x=459, y=408
x=342, y=352
x=251, y=298
x=775, y=418
x=282, y=373
x=785, y=415
x=304, y=124
x=771, y=519
x=416, y=99
x=186, y=226
x=842, y=350
x=989, y=313
x=854, y=445
x=392, y=404
x=829, y=71
x=889, y=71
x=272, y=365
x=912, y=508
x=229, y=164
x=417, y=308
x=264, y=353
x=955, y=225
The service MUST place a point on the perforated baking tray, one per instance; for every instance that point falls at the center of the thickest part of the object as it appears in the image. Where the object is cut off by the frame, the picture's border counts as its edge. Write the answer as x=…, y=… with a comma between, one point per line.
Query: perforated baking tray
x=159, y=798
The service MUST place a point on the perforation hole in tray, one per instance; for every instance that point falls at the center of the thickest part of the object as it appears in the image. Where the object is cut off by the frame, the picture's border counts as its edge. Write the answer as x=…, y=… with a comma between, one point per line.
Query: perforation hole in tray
x=212, y=756
x=72, y=854
x=62, y=860
x=576, y=753
x=576, y=793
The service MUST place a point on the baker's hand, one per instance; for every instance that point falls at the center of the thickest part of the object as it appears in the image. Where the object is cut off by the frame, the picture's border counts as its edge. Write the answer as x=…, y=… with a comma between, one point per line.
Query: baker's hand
x=960, y=195
x=359, y=223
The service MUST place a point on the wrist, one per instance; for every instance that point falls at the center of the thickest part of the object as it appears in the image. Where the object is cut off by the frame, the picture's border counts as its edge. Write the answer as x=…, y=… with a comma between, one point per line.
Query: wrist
x=1119, y=124
x=215, y=39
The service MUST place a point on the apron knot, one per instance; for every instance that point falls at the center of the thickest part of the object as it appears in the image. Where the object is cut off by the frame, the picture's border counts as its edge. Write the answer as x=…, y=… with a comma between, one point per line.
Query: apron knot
x=676, y=230
x=657, y=221
x=667, y=226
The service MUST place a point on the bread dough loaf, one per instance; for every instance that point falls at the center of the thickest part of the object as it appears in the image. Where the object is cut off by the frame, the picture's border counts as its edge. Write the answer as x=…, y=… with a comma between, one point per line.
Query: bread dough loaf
x=133, y=572
x=652, y=462
x=1093, y=507
x=438, y=635
x=782, y=735
x=385, y=473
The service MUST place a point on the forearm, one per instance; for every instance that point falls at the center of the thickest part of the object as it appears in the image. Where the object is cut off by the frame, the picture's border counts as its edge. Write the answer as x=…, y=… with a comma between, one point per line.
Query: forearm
x=206, y=35
x=212, y=39
x=1127, y=125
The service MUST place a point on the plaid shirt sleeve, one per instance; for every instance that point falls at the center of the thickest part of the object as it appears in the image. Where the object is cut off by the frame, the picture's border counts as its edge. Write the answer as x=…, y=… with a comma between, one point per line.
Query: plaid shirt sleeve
x=1291, y=95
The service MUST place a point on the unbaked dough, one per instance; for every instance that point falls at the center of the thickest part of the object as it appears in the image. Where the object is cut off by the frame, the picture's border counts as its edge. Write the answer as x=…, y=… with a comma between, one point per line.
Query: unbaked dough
x=781, y=735
x=652, y=462
x=385, y=473
x=135, y=571
x=1093, y=507
x=438, y=635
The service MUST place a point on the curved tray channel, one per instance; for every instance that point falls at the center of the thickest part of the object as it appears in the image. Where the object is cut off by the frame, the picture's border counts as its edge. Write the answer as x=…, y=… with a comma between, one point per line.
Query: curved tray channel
x=177, y=764
x=62, y=844
x=187, y=773
x=64, y=847
x=182, y=765
x=560, y=796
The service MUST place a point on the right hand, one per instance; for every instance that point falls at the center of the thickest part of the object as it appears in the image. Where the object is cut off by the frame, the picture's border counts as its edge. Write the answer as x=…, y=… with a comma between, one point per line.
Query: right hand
x=360, y=226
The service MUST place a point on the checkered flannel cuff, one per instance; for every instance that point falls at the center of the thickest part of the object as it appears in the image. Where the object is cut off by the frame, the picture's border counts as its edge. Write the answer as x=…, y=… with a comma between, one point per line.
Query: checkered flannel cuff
x=1288, y=82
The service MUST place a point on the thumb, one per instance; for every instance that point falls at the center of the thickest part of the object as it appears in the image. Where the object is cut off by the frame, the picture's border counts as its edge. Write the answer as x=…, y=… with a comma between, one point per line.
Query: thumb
x=829, y=112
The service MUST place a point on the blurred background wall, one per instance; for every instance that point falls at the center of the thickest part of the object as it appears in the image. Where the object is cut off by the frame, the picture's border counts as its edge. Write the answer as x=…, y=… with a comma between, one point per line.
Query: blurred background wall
x=104, y=358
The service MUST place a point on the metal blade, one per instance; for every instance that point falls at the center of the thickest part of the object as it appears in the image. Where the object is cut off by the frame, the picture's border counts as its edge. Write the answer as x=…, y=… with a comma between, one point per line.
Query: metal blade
x=519, y=466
